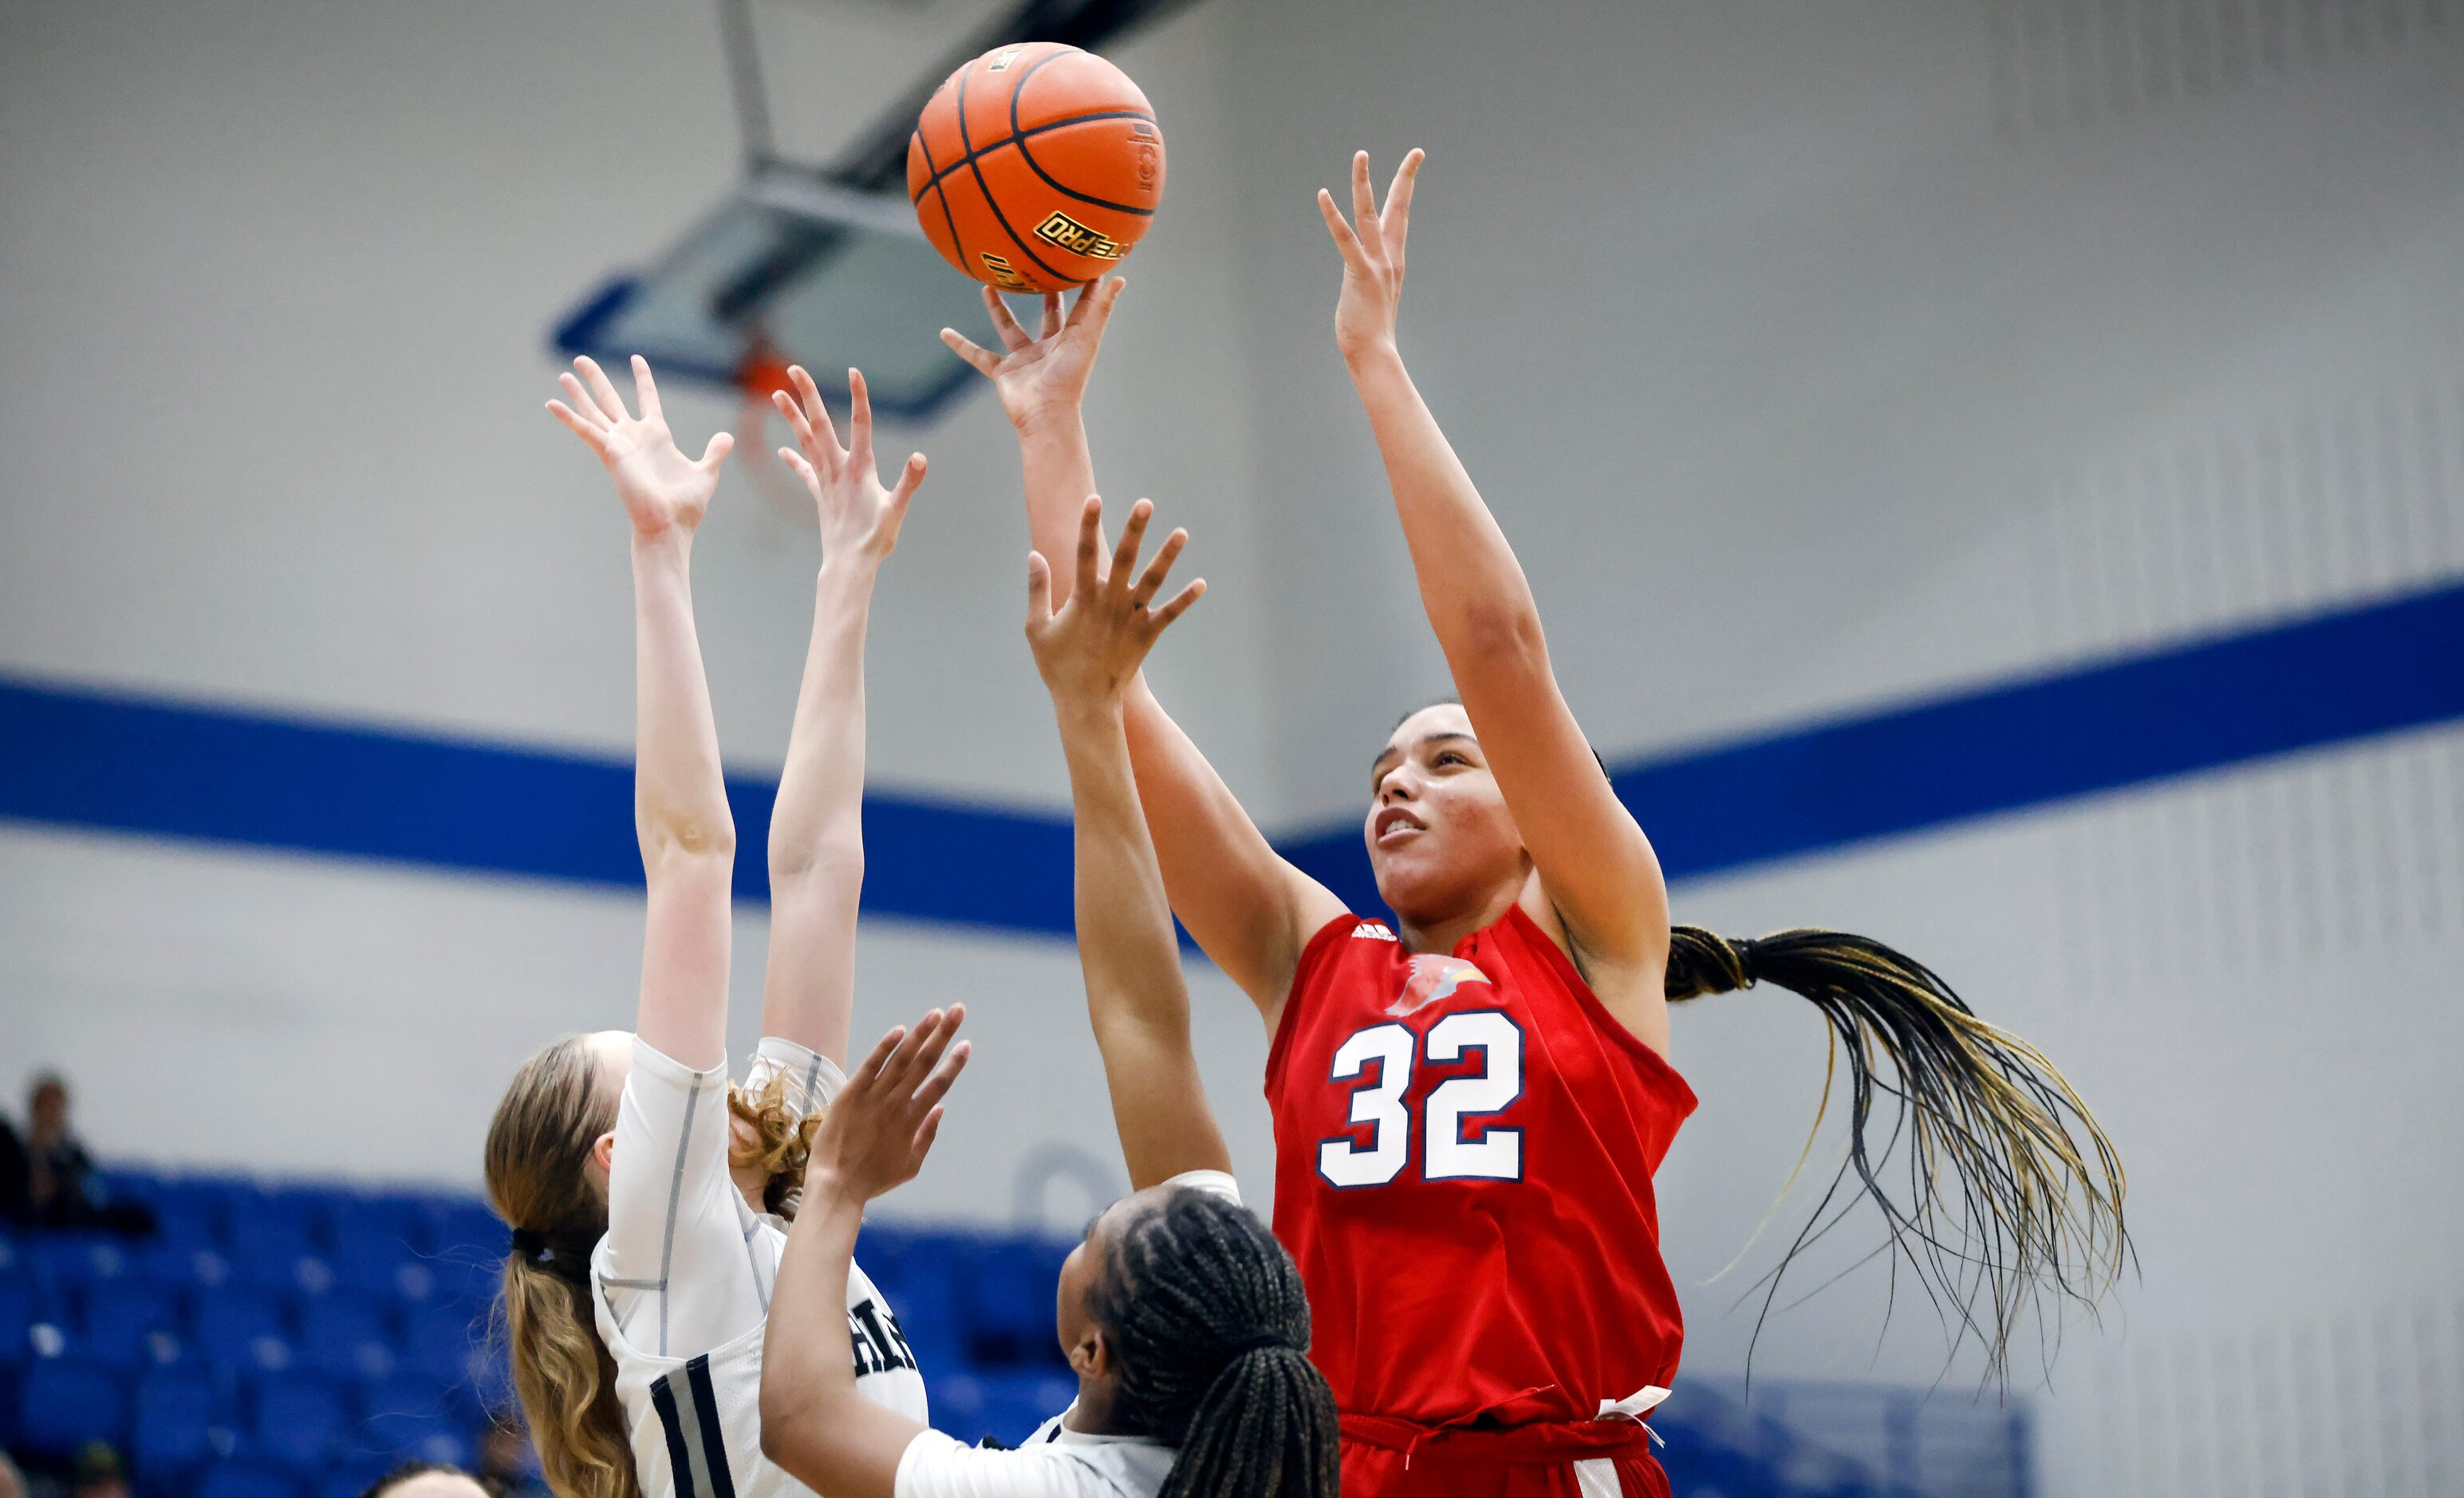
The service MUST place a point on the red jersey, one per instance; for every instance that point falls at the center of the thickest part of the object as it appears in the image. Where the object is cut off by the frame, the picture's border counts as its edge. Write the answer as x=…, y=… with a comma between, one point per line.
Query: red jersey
x=1464, y=1151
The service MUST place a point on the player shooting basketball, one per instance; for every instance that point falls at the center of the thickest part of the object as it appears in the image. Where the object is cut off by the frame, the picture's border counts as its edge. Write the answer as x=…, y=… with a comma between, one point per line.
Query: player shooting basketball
x=1464, y=1178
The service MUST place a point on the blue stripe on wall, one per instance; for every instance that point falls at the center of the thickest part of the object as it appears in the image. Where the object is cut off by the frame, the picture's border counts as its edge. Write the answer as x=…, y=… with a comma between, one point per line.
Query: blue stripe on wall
x=83, y=758
x=2302, y=685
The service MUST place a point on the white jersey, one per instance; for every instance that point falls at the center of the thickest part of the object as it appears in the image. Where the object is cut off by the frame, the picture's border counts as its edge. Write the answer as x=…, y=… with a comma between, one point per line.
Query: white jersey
x=682, y=1281
x=1056, y=1461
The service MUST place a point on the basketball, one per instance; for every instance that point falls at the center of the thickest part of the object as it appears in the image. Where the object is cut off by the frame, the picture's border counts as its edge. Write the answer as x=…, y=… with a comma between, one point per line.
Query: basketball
x=1036, y=166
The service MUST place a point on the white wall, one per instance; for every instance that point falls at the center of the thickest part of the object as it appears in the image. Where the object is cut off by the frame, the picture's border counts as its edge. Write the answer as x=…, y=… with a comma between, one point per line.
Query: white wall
x=1812, y=355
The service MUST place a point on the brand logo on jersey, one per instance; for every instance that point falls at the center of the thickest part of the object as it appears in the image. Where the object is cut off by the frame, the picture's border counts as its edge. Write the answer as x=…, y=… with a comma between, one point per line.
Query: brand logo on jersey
x=1077, y=238
x=1372, y=931
x=1434, y=979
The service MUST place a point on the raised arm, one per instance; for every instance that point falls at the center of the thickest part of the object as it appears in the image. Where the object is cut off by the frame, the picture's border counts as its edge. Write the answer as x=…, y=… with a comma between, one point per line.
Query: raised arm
x=814, y=1423
x=679, y=798
x=817, y=827
x=1596, y=870
x=1088, y=649
x=1250, y=909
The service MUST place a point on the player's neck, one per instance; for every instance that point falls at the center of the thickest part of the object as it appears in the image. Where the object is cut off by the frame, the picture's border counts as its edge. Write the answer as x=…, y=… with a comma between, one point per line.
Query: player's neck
x=1443, y=935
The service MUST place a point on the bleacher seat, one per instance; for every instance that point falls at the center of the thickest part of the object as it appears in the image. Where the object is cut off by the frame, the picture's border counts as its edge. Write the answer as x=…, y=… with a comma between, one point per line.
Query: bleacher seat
x=300, y=1418
x=16, y=1319
x=171, y=1434
x=130, y=1323
x=344, y=1335
x=241, y=1329
x=415, y=1419
x=65, y=1263
x=438, y=1341
x=1006, y=1297
x=63, y=1402
x=352, y=1476
x=1006, y=1406
x=185, y=1266
x=457, y=1223
x=249, y=1479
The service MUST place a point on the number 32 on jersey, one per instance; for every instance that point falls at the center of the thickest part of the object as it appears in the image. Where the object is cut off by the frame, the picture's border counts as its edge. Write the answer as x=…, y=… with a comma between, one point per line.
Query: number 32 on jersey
x=1457, y=1146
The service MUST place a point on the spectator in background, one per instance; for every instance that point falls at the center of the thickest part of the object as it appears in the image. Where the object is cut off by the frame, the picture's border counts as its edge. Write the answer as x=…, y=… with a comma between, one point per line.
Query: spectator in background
x=16, y=1174
x=46, y=1179
x=13, y=1485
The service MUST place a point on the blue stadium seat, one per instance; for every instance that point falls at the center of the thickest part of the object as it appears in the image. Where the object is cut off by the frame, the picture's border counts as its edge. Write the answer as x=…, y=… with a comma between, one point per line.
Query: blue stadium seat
x=414, y=1419
x=1005, y=1407
x=177, y=1411
x=241, y=1329
x=129, y=1323
x=352, y=1476
x=16, y=1319
x=65, y=1263
x=300, y=1420
x=460, y=1222
x=249, y=1479
x=373, y=1247
x=1006, y=1299
x=185, y=1266
x=265, y=1228
x=65, y=1403
x=344, y=1335
x=438, y=1341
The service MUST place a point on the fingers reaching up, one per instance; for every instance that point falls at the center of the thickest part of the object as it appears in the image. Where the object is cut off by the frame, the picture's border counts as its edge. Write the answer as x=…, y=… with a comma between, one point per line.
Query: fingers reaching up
x=883, y=1122
x=1089, y=648
x=663, y=492
x=1372, y=245
x=859, y=517
x=1043, y=374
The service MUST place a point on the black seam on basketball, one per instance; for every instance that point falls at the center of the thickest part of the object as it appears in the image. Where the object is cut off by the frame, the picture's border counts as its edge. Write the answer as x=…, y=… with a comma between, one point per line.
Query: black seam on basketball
x=958, y=246
x=986, y=189
x=939, y=173
x=1028, y=156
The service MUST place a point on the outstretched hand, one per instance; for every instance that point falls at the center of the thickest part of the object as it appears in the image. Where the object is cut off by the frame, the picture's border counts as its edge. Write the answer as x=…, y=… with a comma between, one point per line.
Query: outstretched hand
x=881, y=1125
x=1045, y=375
x=1372, y=247
x=1089, y=648
x=859, y=517
x=663, y=492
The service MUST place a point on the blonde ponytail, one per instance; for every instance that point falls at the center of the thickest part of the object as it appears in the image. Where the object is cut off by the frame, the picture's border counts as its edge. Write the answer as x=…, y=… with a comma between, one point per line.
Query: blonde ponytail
x=538, y=1148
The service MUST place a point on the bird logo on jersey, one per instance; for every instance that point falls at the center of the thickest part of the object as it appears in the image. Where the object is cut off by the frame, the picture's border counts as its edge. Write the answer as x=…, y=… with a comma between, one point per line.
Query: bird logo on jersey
x=1434, y=979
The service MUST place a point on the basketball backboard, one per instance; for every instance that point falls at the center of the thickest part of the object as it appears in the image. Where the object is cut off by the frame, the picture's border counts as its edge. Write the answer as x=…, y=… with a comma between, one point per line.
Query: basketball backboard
x=793, y=270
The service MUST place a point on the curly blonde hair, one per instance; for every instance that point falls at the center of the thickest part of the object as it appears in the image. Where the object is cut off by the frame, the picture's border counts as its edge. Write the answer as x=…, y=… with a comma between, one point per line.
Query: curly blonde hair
x=781, y=1142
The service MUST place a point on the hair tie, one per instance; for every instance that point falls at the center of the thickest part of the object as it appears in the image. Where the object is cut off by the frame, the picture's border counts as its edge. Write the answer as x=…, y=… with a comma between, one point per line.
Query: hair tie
x=1743, y=950
x=1266, y=1341
x=530, y=1245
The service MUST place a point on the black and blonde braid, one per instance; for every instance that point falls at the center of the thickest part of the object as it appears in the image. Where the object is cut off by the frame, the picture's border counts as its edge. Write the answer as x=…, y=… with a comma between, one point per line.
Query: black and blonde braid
x=2013, y=1191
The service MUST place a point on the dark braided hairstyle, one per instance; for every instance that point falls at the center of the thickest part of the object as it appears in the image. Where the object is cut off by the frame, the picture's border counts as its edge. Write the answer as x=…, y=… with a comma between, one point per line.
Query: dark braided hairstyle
x=2003, y=1201
x=1211, y=1330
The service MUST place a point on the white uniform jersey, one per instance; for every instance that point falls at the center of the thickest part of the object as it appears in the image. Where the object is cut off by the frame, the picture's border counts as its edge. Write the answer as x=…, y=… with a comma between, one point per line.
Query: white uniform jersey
x=1056, y=1461
x=682, y=1281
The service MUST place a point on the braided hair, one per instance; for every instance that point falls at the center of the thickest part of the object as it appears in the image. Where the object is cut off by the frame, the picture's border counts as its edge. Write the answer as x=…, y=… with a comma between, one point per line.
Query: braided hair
x=2003, y=1201
x=1211, y=1331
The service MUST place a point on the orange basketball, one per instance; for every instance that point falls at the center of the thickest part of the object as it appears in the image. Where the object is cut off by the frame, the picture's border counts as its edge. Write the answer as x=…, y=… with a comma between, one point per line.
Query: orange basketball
x=1036, y=166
